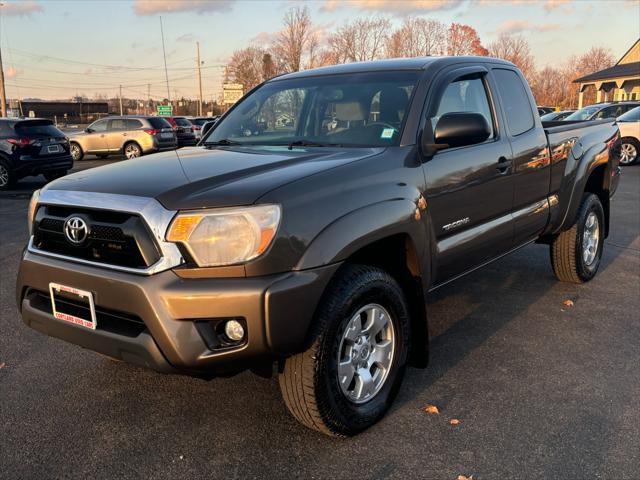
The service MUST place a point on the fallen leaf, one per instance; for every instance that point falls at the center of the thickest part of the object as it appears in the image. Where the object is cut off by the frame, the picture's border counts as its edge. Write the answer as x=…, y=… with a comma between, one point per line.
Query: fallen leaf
x=462, y=477
x=454, y=421
x=568, y=303
x=2, y=365
x=181, y=457
x=431, y=409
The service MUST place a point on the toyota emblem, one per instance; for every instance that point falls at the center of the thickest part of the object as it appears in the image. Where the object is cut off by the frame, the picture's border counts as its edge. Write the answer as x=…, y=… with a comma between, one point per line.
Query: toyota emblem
x=76, y=230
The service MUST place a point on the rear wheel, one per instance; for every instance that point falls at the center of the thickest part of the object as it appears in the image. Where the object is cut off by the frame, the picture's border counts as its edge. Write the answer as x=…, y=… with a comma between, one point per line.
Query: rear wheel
x=132, y=150
x=576, y=253
x=7, y=177
x=629, y=151
x=76, y=152
x=347, y=379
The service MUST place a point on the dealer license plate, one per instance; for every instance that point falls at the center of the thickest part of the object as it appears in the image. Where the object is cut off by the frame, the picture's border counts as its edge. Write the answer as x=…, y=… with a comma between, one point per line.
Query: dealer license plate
x=73, y=305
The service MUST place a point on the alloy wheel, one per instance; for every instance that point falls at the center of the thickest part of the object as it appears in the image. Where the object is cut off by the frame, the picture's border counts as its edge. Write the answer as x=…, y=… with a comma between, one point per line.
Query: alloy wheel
x=75, y=152
x=366, y=353
x=590, y=239
x=628, y=153
x=4, y=176
x=132, y=151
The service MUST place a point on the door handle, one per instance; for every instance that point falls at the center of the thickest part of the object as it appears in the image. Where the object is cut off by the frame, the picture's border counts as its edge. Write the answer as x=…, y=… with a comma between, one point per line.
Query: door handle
x=503, y=165
x=124, y=134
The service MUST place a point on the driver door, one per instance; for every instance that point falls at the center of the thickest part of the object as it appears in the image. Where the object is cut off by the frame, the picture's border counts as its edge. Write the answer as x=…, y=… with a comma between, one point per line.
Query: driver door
x=469, y=188
x=96, y=141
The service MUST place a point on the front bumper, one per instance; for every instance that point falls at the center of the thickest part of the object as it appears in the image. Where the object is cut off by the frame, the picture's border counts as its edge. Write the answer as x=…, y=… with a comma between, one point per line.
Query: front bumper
x=277, y=309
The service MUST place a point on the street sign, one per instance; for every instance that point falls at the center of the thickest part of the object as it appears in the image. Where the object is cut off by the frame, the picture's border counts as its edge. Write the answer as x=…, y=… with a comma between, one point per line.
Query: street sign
x=165, y=110
x=232, y=92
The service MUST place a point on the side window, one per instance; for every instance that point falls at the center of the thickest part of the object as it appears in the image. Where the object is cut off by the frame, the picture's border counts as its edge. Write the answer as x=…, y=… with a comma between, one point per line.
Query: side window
x=515, y=101
x=118, y=124
x=465, y=96
x=99, y=126
x=133, y=124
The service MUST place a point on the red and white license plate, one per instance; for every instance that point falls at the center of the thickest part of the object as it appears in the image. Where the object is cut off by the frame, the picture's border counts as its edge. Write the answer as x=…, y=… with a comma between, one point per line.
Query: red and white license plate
x=73, y=305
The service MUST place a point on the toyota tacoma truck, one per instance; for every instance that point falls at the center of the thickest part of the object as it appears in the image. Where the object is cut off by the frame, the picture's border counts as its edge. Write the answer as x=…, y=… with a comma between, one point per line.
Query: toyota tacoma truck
x=303, y=233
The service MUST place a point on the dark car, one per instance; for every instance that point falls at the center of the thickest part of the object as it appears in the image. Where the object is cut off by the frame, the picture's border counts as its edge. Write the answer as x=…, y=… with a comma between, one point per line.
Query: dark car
x=556, y=116
x=32, y=147
x=198, y=123
x=185, y=131
x=606, y=110
x=544, y=110
x=310, y=242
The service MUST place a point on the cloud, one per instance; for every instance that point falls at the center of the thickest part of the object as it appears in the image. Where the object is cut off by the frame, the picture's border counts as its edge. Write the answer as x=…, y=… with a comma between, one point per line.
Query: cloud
x=155, y=7
x=550, y=5
x=399, y=7
x=186, y=38
x=13, y=72
x=264, y=38
x=520, y=26
x=21, y=9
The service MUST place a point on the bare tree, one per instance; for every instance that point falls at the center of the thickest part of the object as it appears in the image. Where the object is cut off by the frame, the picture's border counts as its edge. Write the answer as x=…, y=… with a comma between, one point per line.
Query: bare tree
x=596, y=59
x=246, y=66
x=549, y=87
x=360, y=40
x=515, y=49
x=417, y=37
x=464, y=40
x=293, y=41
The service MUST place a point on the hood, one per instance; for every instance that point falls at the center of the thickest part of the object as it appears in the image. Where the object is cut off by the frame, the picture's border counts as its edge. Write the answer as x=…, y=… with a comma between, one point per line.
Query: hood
x=200, y=177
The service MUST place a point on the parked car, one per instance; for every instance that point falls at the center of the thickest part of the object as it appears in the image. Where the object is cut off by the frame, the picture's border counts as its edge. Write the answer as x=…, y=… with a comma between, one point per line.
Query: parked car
x=198, y=123
x=314, y=247
x=185, y=131
x=629, y=124
x=132, y=135
x=544, y=110
x=209, y=125
x=556, y=116
x=602, y=111
x=32, y=147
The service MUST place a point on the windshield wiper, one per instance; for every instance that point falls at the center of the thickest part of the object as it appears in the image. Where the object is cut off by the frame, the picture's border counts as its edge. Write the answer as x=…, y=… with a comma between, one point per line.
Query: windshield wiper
x=224, y=141
x=309, y=143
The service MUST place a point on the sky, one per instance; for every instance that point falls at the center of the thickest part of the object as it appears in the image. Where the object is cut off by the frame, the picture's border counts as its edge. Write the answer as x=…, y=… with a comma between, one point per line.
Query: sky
x=55, y=49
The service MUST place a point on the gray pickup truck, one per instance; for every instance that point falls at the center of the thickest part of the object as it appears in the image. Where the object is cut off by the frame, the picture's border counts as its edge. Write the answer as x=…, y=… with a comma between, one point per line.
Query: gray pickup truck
x=305, y=230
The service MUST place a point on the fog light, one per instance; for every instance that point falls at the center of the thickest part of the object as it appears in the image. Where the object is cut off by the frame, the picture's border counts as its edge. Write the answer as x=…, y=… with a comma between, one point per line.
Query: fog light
x=234, y=330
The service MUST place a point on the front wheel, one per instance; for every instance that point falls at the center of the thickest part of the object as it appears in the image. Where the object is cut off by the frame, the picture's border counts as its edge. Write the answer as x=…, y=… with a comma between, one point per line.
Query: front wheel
x=629, y=151
x=348, y=377
x=576, y=253
x=76, y=152
x=132, y=150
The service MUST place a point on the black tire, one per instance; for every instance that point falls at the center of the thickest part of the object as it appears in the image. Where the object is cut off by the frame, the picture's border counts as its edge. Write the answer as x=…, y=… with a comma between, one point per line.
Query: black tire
x=7, y=177
x=76, y=151
x=567, y=249
x=131, y=150
x=629, y=146
x=309, y=380
x=51, y=176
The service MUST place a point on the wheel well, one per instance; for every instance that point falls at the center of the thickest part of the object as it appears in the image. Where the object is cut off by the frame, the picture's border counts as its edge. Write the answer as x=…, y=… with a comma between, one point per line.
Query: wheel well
x=128, y=142
x=397, y=256
x=598, y=185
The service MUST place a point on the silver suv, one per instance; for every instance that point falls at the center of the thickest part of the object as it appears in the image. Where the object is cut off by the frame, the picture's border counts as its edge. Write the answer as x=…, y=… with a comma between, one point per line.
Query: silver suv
x=132, y=135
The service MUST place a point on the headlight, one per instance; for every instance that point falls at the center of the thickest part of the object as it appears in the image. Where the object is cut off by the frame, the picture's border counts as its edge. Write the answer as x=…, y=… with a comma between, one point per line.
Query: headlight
x=225, y=236
x=33, y=205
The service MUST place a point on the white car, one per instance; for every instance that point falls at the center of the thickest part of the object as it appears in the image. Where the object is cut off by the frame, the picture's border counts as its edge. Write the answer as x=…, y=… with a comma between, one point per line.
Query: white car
x=629, y=125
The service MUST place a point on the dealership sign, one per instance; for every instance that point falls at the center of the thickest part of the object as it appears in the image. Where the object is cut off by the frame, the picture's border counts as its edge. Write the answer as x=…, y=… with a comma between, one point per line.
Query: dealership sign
x=232, y=92
x=165, y=110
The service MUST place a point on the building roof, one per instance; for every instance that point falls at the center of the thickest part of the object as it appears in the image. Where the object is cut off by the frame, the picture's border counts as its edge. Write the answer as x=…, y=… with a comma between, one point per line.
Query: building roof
x=617, y=71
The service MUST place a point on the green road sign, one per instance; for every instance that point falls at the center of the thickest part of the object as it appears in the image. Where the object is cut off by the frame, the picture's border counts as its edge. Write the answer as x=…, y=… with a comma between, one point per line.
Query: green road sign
x=165, y=110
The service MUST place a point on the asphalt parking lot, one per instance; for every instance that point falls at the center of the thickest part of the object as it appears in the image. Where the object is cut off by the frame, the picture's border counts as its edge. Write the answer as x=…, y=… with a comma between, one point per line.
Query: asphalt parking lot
x=541, y=389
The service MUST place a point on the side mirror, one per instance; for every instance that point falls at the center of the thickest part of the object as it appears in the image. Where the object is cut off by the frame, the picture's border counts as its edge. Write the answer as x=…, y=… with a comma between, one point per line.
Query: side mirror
x=457, y=129
x=88, y=130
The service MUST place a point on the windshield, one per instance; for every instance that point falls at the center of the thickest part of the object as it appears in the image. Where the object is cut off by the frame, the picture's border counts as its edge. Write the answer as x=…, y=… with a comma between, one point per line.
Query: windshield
x=632, y=115
x=583, y=113
x=366, y=109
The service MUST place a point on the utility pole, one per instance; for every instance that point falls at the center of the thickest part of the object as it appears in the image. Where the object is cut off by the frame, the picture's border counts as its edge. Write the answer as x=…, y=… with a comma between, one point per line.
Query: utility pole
x=147, y=110
x=199, y=80
x=3, y=95
x=121, y=100
x=164, y=54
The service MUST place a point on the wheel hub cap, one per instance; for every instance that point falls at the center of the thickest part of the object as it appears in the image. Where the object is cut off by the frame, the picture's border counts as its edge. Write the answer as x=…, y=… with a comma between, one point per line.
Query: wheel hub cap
x=366, y=353
x=590, y=239
x=4, y=176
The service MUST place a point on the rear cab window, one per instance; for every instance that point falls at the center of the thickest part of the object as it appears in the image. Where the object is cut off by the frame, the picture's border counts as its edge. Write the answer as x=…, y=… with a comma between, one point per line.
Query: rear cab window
x=515, y=101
